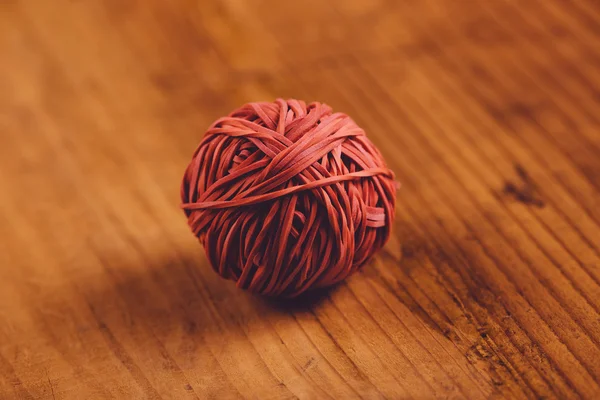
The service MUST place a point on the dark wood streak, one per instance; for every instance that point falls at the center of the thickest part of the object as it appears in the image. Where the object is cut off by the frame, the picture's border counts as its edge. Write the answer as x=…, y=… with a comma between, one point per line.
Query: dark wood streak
x=119, y=352
x=51, y=388
x=524, y=192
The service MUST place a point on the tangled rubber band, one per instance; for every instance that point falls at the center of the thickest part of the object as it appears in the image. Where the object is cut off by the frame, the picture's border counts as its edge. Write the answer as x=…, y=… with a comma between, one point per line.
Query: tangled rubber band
x=287, y=197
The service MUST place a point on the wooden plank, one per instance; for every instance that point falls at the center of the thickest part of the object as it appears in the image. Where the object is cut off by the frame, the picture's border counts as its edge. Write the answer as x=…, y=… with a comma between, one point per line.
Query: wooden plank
x=486, y=111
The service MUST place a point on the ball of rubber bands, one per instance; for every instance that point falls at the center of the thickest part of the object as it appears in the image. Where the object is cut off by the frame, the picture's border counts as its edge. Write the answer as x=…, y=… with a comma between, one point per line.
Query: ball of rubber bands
x=287, y=197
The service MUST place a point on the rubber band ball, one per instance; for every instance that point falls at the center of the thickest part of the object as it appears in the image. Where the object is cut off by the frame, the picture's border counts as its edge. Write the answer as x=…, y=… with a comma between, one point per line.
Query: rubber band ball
x=286, y=197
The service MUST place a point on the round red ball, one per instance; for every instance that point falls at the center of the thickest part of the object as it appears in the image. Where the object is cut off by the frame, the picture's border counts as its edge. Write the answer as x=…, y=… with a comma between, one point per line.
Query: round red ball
x=287, y=197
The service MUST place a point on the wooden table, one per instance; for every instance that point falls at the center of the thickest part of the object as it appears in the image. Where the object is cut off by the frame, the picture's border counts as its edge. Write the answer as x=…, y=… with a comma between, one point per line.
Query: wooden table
x=488, y=112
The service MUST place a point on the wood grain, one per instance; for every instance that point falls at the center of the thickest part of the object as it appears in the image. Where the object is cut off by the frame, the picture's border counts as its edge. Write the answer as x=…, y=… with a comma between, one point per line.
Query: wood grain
x=489, y=113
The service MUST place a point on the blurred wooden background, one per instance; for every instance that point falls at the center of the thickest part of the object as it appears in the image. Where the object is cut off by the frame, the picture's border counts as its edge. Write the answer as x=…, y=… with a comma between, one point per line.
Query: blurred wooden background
x=488, y=111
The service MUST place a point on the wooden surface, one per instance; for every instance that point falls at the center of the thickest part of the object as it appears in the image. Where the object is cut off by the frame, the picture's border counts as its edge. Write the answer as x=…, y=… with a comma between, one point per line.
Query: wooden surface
x=488, y=111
